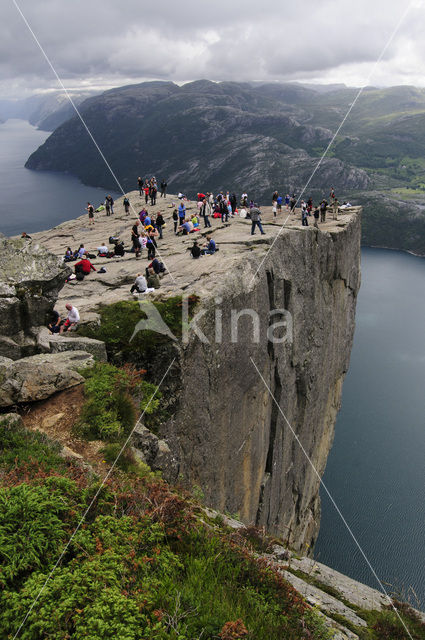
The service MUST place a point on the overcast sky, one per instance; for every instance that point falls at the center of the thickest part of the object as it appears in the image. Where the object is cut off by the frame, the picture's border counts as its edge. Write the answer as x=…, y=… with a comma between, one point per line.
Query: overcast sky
x=104, y=43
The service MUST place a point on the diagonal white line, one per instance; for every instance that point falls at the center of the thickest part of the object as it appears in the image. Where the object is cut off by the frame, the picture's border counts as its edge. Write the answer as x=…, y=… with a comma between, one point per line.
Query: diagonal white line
x=362, y=88
x=384, y=591
x=64, y=550
x=68, y=95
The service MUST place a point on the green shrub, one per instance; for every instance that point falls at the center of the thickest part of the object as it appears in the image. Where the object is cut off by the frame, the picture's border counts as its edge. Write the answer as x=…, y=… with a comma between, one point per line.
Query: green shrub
x=19, y=447
x=109, y=412
x=32, y=525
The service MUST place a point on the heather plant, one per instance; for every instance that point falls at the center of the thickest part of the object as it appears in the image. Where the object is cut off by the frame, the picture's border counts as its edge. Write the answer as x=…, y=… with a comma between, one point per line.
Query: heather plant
x=114, y=399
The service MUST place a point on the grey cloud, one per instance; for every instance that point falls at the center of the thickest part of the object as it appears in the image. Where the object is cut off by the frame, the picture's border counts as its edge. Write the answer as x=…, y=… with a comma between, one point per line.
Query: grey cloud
x=115, y=42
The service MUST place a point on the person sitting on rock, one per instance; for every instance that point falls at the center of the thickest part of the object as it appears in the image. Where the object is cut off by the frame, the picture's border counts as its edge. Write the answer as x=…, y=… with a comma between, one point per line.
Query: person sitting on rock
x=153, y=280
x=55, y=321
x=195, y=250
x=69, y=255
x=119, y=249
x=72, y=319
x=25, y=235
x=103, y=250
x=80, y=252
x=156, y=266
x=209, y=247
x=140, y=284
x=186, y=227
x=84, y=266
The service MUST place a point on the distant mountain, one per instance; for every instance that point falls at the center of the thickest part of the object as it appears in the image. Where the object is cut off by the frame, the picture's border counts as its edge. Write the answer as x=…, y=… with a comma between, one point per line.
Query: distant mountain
x=201, y=135
x=257, y=137
x=45, y=111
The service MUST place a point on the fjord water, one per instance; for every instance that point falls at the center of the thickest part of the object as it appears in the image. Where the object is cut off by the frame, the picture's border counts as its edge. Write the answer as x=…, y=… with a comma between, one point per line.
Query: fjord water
x=32, y=200
x=376, y=468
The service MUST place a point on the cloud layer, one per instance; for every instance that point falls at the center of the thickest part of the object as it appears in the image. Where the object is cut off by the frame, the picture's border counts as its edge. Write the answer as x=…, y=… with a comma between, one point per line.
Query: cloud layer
x=108, y=43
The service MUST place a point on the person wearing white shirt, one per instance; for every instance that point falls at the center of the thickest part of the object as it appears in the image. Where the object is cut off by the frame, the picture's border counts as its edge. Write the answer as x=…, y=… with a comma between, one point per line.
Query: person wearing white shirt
x=72, y=319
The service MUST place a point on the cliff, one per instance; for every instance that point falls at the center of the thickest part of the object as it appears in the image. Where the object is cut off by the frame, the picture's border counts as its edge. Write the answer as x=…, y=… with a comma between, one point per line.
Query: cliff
x=226, y=432
x=229, y=435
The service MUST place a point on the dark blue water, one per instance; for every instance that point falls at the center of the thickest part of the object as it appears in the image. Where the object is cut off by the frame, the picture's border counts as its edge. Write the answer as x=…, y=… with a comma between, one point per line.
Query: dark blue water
x=376, y=469
x=33, y=200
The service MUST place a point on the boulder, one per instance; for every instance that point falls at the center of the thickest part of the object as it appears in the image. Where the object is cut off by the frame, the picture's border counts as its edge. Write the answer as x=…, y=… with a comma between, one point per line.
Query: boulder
x=40, y=376
x=155, y=452
x=73, y=342
x=30, y=280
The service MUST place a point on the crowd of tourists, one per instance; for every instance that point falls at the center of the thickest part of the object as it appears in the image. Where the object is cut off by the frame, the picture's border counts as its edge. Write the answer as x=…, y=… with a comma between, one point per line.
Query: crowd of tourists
x=187, y=218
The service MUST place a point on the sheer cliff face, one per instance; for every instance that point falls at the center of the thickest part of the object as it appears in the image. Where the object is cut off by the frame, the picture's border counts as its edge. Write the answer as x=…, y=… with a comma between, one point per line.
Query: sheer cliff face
x=228, y=433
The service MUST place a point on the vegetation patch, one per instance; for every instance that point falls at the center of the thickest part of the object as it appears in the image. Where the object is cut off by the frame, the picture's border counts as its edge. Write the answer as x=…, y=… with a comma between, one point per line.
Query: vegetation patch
x=114, y=400
x=142, y=565
x=124, y=343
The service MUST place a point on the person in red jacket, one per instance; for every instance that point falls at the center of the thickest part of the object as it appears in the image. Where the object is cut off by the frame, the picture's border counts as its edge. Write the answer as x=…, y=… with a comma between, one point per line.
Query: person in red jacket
x=84, y=266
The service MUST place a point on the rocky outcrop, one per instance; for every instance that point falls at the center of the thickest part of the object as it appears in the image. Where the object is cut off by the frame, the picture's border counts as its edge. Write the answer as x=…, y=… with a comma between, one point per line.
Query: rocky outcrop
x=40, y=376
x=30, y=280
x=73, y=342
x=154, y=452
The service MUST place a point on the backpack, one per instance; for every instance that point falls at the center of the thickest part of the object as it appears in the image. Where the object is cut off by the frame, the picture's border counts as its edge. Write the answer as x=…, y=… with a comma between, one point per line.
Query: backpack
x=79, y=275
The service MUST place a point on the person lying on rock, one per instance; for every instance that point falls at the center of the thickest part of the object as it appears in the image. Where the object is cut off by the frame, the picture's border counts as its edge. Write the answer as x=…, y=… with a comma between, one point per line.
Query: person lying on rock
x=55, y=321
x=72, y=319
x=84, y=266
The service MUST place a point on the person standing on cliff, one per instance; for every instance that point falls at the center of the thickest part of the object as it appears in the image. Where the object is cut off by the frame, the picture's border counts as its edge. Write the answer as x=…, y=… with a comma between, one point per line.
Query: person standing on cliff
x=163, y=188
x=206, y=212
x=233, y=203
x=107, y=206
x=182, y=213
x=323, y=209
x=316, y=217
x=90, y=210
x=135, y=238
x=111, y=203
x=256, y=220
x=140, y=185
x=335, y=207
x=159, y=223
